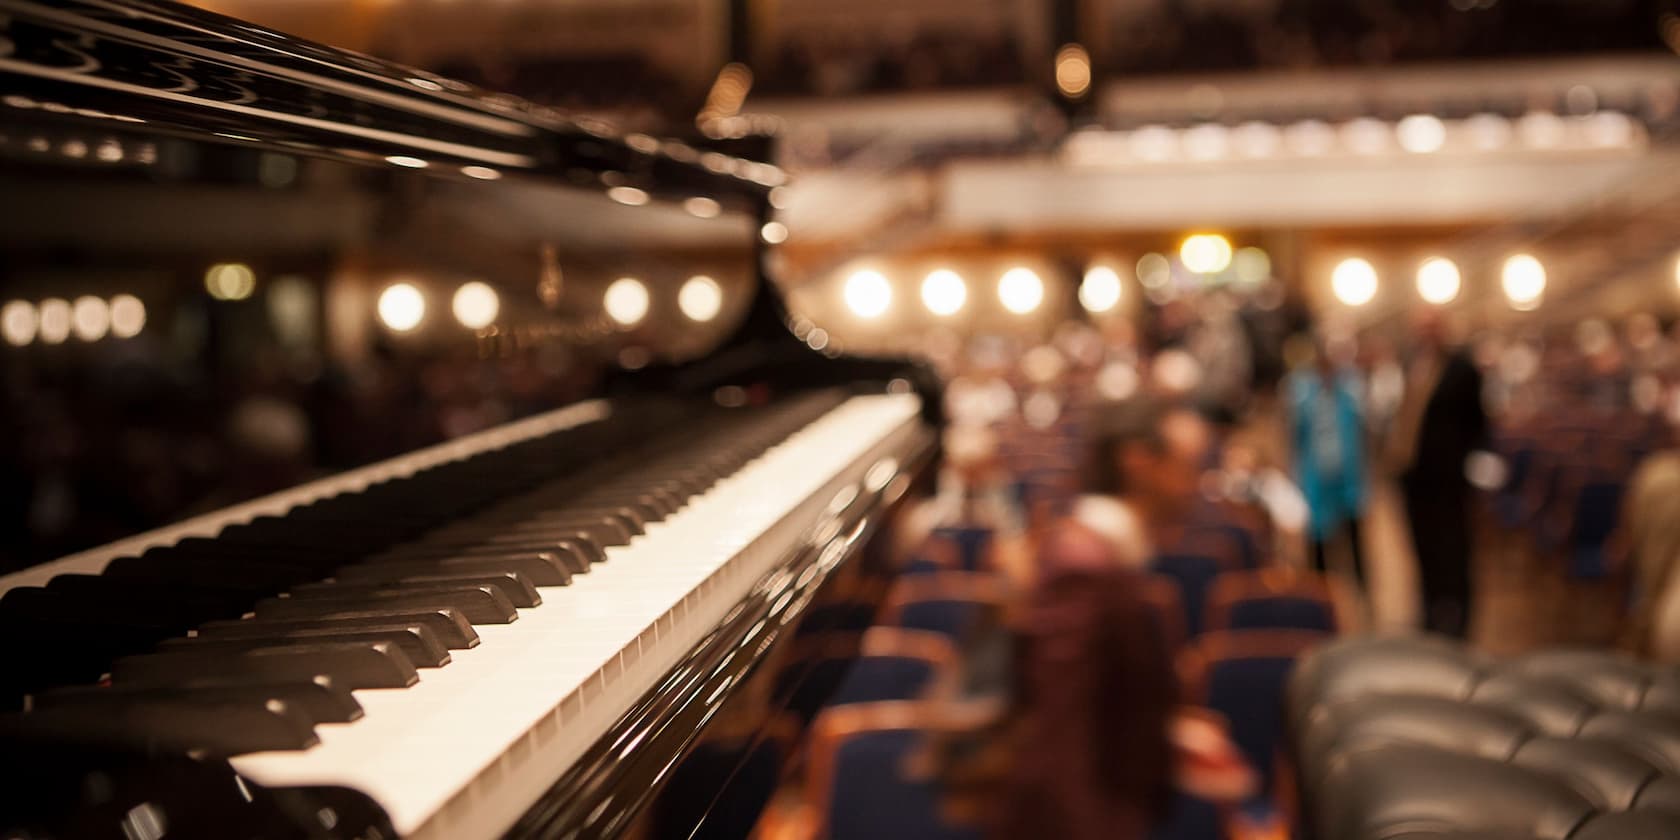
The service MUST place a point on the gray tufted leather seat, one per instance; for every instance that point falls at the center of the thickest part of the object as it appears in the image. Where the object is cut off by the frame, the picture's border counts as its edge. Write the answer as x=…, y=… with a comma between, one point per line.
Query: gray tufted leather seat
x=1420, y=739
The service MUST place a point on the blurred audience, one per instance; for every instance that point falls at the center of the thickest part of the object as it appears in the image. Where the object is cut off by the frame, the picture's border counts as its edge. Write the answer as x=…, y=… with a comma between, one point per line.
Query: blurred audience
x=1328, y=436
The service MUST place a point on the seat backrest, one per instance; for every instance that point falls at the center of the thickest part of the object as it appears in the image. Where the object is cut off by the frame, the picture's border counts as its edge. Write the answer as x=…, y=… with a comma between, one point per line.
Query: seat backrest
x=972, y=543
x=1166, y=605
x=858, y=784
x=897, y=664
x=1194, y=574
x=1244, y=676
x=1270, y=599
x=949, y=603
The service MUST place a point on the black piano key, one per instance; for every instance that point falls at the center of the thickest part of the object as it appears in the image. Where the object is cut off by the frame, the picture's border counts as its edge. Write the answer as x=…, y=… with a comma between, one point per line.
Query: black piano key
x=251, y=576
x=515, y=587
x=577, y=552
x=211, y=602
x=480, y=604
x=177, y=724
x=319, y=698
x=540, y=568
x=355, y=664
x=446, y=624
x=417, y=643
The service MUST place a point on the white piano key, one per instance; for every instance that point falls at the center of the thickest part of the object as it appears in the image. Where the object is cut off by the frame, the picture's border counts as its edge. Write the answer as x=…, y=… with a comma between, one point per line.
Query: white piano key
x=471, y=747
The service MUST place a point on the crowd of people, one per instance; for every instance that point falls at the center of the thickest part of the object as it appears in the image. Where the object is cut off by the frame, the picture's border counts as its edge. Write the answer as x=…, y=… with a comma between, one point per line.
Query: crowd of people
x=1099, y=459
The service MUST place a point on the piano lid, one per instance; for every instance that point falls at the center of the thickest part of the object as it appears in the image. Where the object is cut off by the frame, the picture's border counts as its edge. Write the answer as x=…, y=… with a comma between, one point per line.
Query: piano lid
x=231, y=261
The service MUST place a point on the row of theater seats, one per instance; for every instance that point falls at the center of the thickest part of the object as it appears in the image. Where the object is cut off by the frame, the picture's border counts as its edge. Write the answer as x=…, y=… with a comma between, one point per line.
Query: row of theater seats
x=1422, y=739
x=1563, y=486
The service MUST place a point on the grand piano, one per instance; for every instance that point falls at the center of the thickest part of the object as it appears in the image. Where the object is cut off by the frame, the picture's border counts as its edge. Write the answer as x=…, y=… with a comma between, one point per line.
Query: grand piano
x=531, y=630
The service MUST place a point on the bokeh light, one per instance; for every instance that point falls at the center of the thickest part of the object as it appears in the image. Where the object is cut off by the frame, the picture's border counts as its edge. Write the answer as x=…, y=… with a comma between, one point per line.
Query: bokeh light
x=401, y=307
x=944, y=292
x=1020, y=290
x=868, y=294
x=1100, y=291
x=700, y=298
x=1524, y=281
x=90, y=318
x=128, y=316
x=1354, y=281
x=475, y=305
x=1206, y=253
x=1438, y=281
x=19, y=322
x=626, y=301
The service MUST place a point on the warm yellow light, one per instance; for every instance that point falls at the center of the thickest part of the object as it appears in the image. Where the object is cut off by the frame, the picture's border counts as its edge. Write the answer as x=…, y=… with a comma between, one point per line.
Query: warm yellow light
x=626, y=301
x=1524, y=279
x=867, y=294
x=1100, y=290
x=128, y=316
x=631, y=196
x=700, y=298
x=407, y=161
x=774, y=233
x=1354, y=281
x=1073, y=71
x=1438, y=281
x=401, y=307
x=1206, y=253
x=1421, y=134
x=55, y=321
x=475, y=305
x=90, y=318
x=944, y=292
x=230, y=281
x=482, y=173
x=18, y=322
x=702, y=207
x=1020, y=290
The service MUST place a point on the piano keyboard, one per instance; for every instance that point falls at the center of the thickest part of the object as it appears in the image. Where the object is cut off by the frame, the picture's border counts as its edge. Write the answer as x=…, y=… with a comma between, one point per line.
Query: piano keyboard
x=487, y=654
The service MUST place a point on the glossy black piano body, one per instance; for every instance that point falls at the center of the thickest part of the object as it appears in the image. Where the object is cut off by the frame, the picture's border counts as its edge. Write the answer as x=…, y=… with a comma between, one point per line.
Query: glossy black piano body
x=142, y=143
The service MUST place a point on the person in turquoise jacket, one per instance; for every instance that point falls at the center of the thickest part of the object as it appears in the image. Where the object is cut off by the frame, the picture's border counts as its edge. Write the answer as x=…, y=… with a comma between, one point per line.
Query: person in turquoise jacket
x=1327, y=433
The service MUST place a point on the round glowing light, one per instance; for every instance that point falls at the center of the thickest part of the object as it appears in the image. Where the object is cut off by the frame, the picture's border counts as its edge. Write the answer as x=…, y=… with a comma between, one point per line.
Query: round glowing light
x=1257, y=139
x=1154, y=271
x=90, y=318
x=1310, y=138
x=230, y=281
x=700, y=298
x=1354, y=281
x=1100, y=290
x=1153, y=143
x=630, y=196
x=1073, y=71
x=55, y=321
x=1610, y=129
x=1542, y=129
x=1488, y=131
x=475, y=305
x=1365, y=136
x=702, y=207
x=482, y=173
x=774, y=233
x=1524, y=280
x=626, y=301
x=1438, y=281
x=1208, y=141
x=1020, y=290
x=407, y=161
x=18, y=322
x=1421, y=134
x=944, y=292
x=401, y=307
x=868, y=294
x=1206, y=253
x=1252, y=266
x=128, y=316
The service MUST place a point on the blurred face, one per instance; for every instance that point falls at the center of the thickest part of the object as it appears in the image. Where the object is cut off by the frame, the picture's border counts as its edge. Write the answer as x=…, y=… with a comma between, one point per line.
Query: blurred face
x=1170, y=475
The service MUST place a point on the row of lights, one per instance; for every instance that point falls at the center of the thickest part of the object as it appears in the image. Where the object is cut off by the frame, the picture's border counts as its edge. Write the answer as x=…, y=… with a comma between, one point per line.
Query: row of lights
x=402, y=306
x=1417, y=134
x=1354, y=281
x=868, y=293
x=56, y=320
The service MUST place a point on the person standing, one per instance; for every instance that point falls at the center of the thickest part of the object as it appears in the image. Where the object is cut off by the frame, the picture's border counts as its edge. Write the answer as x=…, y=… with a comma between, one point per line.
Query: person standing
x=1327, y=430
x=1440, y=422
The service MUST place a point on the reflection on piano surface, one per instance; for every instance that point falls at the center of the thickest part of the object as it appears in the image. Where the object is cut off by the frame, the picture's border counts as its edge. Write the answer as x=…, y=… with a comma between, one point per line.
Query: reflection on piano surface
x=523, y=627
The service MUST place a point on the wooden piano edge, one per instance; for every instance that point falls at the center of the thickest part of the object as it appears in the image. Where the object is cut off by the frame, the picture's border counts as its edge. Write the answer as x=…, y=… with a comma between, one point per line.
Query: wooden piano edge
x=602, y=794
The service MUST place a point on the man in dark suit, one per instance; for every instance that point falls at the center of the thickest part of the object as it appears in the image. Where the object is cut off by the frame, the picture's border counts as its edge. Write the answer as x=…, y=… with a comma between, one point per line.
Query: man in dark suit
x=1440, y=422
